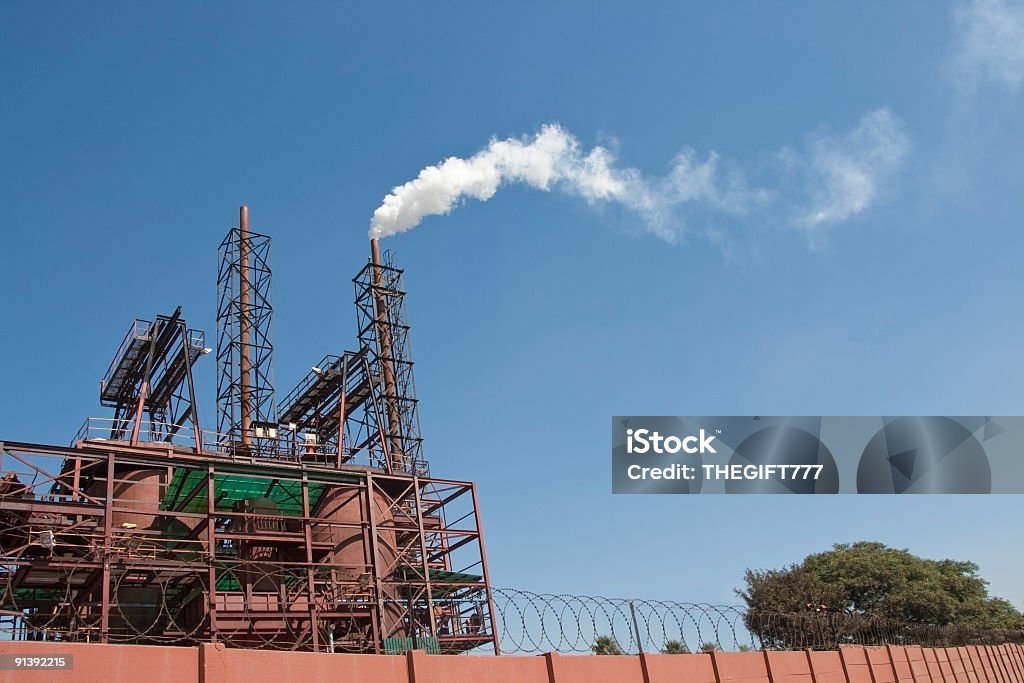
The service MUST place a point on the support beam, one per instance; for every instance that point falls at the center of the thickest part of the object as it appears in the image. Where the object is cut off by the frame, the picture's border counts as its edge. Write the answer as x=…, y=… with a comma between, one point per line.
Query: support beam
x=386, y=359
x=244, y=321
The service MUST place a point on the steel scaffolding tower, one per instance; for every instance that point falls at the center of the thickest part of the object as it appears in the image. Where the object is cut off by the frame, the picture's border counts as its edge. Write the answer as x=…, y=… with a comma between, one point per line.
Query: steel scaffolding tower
x=313, y=526
x=246, y=412
x=383, y=329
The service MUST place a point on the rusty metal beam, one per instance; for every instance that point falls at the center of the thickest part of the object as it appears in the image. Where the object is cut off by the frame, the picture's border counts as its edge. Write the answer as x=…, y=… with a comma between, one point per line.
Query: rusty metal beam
x=390, y=503
x=244, y=321
x=386, y=359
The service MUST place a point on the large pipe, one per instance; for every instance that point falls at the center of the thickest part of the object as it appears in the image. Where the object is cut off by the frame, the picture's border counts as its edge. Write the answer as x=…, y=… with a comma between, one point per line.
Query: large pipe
x=386, y=358
x=244, y=361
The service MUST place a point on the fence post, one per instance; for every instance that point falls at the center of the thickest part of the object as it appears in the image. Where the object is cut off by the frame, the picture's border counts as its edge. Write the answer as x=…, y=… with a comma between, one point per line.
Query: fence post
x=636, y=627
x=549, y=659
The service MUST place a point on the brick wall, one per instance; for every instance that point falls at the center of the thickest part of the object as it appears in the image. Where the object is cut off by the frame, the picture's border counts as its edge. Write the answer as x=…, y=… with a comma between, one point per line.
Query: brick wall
x=210, y=663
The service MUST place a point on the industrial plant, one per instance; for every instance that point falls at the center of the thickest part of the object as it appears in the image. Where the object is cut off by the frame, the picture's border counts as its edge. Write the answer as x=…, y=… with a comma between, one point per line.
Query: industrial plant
x=309, y=522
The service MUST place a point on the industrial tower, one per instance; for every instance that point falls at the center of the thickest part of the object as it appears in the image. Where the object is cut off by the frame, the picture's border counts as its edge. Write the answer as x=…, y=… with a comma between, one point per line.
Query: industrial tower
x=309, y=524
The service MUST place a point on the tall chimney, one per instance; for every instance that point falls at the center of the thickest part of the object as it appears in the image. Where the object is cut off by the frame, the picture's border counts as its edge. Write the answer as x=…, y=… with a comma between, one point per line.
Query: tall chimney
x=244, y=321
x=386, y=358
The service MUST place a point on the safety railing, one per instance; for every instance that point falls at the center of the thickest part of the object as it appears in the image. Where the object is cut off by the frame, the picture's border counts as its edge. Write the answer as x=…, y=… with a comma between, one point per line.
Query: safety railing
x=277, y=444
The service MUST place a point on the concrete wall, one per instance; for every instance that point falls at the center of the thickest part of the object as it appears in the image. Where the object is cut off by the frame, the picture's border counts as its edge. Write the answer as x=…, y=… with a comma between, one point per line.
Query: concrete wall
x=210, y=663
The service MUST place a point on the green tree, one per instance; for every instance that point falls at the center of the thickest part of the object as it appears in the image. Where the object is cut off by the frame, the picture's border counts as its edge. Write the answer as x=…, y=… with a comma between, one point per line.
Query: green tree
x=874, y=580
x=709, y=647
x=606, y=645
x=675, y=647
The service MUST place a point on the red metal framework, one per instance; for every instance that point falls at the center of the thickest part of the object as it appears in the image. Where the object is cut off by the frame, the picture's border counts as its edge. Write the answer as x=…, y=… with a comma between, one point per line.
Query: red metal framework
x=155, y=544
x=319, y=531
x=337, y=411
x=151, y=374
x=245, y=370
x=383, y=331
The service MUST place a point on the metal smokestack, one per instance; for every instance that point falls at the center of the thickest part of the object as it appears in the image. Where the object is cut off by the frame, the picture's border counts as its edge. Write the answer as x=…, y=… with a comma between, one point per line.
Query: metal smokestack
x=244, y=321
x=386, y=358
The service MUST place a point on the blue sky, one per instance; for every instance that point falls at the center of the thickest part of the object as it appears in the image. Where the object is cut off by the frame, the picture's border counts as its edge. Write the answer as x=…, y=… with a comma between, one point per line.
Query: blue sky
x=845, y=239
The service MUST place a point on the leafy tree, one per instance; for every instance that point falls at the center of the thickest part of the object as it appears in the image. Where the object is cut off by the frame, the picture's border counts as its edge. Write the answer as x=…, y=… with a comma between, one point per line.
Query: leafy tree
x=606, y=645
x=675, y=647
x=709, y=647
x=874, y=580
x=746, y=648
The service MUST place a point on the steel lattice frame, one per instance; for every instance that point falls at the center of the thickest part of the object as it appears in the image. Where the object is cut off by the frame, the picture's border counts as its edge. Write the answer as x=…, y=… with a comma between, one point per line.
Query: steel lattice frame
x=195, y=568
x=229, y=333
x=383, y=284
x=152, y=373
x=339, y=403
x=247, y=536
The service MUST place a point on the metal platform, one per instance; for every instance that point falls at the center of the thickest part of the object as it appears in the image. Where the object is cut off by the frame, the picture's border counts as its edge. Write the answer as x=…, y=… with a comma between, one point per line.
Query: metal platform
x=113, y=543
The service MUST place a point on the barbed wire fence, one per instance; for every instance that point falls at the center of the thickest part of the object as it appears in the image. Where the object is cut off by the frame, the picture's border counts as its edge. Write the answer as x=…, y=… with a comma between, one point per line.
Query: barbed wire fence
x=533, y=622
x=530, y=622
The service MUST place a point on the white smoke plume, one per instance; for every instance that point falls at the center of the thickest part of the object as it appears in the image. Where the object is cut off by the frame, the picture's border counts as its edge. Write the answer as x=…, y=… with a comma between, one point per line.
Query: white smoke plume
x=989, y=37
x=848, y=173
x=554, y=159
x=840, y=180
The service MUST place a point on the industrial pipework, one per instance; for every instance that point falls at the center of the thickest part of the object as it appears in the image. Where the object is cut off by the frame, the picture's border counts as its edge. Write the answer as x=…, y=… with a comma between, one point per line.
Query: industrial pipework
x=244, y=359
x=386, y=359
x=309, y=525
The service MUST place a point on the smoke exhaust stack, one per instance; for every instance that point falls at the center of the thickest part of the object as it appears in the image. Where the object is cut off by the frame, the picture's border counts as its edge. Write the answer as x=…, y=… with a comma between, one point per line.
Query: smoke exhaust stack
x=244, y=322
x=386, y=359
